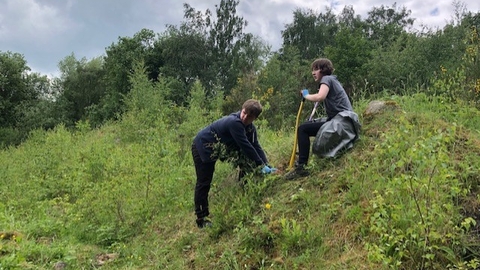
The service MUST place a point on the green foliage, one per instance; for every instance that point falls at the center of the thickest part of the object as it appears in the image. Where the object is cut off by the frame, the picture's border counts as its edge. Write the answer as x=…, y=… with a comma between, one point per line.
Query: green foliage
x=23, y=99
x=183, y=55
x=146, y=108
x=39, y=114
x=13, y=69
x=10, y=136
x=279, y=84
x=350, y=54
x=119, y=62
x=145, y=97
x=224, y=52
x=245, y=89
x=226, y=39
x=198, y=115
x=377, y=54
x=414, y=219
x=385, y=24
x=462, y=82
x=310, y=32
x=83, y=86
x=75, y=195
x=421, y=179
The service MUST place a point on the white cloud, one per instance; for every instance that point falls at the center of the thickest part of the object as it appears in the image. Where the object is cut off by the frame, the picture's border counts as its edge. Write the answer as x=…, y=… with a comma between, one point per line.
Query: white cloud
x=27, y=21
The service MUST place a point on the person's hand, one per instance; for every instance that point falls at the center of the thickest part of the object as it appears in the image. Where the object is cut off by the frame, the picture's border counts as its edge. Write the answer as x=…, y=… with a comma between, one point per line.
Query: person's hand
x=266, y=169
x=304, y=93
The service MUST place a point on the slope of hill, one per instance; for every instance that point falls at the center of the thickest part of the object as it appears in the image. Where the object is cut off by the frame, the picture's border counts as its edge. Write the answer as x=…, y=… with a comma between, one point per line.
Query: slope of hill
x=405, y=197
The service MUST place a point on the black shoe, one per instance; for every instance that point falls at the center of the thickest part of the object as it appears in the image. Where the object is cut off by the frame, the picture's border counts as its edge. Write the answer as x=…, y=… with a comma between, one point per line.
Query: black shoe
x=203, y=223
x=298, y=172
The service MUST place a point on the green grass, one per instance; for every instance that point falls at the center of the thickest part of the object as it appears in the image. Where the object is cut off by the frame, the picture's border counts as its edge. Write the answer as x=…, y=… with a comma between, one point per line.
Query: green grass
x=405, y=197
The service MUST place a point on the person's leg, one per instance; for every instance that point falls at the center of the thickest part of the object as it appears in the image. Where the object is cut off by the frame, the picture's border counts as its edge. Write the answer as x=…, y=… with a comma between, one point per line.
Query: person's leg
x=204, y=173
x=305, y=131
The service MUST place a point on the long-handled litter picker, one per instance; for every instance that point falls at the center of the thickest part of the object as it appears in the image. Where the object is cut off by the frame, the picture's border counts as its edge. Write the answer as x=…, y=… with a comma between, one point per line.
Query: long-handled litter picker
x=313, y=111
x=292, y=157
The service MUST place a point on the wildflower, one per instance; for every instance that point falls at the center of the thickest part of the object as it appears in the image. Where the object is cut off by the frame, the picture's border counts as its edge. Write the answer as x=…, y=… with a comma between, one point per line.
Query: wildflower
x=268, y=206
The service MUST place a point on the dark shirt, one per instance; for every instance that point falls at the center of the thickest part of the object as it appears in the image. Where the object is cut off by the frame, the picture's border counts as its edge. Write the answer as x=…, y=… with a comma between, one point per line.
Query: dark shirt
x=230, y=131
x=337, y=99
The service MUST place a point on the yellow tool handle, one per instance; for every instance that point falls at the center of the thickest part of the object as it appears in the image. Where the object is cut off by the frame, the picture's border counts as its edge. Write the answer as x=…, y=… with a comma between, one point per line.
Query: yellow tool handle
x=292, y=157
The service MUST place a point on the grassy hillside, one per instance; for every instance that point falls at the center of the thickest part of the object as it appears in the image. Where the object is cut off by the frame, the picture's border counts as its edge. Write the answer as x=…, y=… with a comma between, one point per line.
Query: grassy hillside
x=405, y=197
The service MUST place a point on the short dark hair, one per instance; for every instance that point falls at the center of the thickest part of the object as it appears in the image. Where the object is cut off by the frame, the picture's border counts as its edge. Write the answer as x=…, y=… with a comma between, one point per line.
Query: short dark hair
x=252, y=107
x=324, y=65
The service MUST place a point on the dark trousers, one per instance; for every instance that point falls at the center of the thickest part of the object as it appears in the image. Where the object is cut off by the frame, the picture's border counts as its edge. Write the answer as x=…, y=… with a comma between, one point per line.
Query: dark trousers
x=204, y=172
x=305, y=131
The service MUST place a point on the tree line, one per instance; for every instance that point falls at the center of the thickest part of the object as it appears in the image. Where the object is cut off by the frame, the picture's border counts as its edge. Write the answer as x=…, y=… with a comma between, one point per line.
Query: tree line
x=380, y=53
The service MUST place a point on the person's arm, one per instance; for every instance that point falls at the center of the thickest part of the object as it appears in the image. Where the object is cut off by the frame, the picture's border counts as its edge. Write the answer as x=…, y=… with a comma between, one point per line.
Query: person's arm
x=237, y=130
x=320, y=96
x=267, y=169
x=257, y=146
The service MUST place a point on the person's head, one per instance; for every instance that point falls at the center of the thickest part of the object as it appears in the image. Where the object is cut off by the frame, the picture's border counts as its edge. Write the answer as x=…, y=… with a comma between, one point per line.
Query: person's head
x=322, y=67
x=251, y=109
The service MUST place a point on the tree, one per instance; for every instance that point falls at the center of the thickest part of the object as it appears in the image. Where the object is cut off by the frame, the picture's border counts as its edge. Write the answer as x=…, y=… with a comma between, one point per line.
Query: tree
x=227, y=40
x=25, y=101
x=310, y=33
x=471, y=22
x=350, y=51
x=214, y=51
x=349, y=54
x=118, y=66
x=347, y=19
x=385, y=24
x=183, y=55
x=13, y=86
x=82, y=88
x=36, y=113
x=279, y=83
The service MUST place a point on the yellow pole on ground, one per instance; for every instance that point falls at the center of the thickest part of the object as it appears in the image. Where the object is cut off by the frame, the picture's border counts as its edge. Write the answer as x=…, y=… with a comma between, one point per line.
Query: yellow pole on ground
x=292, y=157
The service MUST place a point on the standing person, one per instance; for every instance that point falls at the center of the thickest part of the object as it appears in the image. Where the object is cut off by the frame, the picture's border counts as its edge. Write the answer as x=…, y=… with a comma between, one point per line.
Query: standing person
x=335, y=100
x=237, y=133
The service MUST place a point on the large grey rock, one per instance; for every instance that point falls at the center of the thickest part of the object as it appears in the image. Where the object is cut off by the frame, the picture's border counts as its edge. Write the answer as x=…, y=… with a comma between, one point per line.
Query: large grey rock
x=379, y=106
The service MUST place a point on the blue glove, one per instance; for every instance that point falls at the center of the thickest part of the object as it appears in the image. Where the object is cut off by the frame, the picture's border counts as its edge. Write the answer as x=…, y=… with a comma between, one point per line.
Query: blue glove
x=266, y=170
x=305, y=93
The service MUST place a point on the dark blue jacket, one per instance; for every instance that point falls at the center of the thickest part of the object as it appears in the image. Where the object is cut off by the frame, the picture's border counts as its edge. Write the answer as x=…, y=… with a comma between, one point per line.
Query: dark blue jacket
x=230, y=131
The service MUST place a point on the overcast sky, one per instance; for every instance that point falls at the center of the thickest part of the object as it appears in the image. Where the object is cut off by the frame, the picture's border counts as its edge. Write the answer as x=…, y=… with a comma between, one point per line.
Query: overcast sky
x=46, y=31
